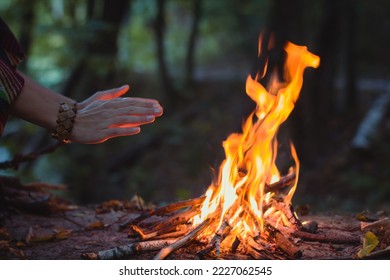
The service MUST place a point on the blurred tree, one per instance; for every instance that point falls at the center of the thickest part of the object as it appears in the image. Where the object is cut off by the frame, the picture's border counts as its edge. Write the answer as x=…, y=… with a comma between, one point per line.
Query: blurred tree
x=97, y=69
x=171, y=94
x=193, y=35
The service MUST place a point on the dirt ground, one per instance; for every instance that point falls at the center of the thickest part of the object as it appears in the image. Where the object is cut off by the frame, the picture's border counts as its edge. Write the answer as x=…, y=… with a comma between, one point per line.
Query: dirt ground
x=70, y=234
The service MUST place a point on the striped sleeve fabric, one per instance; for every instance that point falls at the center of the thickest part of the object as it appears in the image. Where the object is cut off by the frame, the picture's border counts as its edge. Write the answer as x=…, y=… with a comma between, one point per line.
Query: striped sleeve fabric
x=11, y=83
x=11, y=54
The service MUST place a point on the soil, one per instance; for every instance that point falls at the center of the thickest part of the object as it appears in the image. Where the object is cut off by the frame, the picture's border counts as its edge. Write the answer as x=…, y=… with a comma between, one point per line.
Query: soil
x=70, y=234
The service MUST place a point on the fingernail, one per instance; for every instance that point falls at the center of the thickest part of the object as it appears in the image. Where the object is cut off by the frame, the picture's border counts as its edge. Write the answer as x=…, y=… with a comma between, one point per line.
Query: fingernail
x=149, y=118
x=157, y=110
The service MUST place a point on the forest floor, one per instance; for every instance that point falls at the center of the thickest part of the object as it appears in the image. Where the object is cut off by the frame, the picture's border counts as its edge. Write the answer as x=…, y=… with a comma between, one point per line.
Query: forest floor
x=68, y=235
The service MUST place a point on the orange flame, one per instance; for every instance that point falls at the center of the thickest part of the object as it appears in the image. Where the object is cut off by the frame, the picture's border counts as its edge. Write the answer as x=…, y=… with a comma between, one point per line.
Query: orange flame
x=238, y=196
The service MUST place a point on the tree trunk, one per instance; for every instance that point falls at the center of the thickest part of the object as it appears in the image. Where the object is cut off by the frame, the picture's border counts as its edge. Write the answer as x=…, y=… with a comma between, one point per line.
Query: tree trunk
x=190, y=65
x=171, y=95
x=97, y=70
x=350, y=55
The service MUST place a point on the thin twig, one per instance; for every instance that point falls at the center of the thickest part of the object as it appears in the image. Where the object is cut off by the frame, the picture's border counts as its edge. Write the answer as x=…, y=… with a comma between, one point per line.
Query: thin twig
x=181, y=242
x=18, y=159
x=164, y=210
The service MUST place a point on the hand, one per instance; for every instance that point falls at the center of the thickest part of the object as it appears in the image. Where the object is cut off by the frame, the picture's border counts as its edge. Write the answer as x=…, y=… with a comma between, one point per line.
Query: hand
x=106, y=115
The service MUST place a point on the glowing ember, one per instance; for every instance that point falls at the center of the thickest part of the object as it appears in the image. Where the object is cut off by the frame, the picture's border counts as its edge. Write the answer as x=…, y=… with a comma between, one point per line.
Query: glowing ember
x=240, y=197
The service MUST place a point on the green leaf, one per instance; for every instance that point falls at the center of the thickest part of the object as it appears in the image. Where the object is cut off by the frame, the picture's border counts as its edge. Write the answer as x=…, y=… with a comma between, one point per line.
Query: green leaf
x=370, y=241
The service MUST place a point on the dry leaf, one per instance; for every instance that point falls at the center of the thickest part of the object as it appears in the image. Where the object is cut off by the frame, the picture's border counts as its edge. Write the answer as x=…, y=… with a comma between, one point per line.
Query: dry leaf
x=96, y=225
x=59, y=234
x=370, y=242
x=108, y=206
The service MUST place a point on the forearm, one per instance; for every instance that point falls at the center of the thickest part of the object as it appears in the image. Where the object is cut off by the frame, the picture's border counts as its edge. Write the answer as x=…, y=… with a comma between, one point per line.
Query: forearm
x=38, y=104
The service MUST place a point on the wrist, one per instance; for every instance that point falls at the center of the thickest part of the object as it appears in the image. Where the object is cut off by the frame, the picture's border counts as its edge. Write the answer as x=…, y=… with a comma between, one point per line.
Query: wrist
x=65, y=120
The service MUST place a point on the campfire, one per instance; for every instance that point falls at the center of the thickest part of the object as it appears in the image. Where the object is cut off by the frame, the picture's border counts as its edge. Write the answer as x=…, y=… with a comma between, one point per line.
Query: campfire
x=248, y=208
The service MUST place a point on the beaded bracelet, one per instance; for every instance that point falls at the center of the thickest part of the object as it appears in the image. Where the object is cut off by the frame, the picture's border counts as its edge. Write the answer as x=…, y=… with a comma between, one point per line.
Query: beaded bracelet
x=65, y=119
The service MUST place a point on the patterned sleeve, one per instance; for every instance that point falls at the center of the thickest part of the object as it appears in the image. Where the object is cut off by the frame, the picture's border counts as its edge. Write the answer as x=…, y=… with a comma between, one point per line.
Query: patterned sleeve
x=11, y=83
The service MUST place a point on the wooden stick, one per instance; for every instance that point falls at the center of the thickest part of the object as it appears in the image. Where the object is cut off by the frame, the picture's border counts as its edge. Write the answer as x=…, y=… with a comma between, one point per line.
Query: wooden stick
x=283, y=182
x=181, y=230
x=215, y=242
x=164, y=210
x=141, y=234
x=181, y=242
x=288, y=211
x=128, y=250
x=178, y=218
x=326, y=237
x=235, y=244
x=18, y=159
x=283, y=243
x=178, y=205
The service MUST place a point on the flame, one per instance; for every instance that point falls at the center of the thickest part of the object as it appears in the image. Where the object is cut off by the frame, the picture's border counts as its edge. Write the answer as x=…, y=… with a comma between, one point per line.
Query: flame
x=239, y=195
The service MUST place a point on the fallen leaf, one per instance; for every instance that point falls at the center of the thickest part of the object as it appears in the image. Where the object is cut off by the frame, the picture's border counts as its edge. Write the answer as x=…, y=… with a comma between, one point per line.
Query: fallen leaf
x=96, y=225
x=370, y=241
x=4, y=235
x=59, y=234
x=62, y=234
x=108, y=206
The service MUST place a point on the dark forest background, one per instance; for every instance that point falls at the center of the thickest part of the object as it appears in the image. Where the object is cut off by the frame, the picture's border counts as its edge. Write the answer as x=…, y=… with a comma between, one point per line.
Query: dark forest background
x=194, y=56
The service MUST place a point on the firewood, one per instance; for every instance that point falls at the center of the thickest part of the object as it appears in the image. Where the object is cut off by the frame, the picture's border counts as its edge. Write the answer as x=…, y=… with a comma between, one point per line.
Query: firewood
x=164, y=210
x=282, y=242
x=235, y=244
x=215, y=242
x=128, y=250
x=288, y=212
x=176, y=219
x=181, y=242
x=141, y=234
x=326, y=237
x=180, y=231
x=179, y=205
x=283, y=182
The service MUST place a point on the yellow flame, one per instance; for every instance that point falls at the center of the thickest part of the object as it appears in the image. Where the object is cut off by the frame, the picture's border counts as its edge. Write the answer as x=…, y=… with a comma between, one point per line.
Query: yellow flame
x=255, y=151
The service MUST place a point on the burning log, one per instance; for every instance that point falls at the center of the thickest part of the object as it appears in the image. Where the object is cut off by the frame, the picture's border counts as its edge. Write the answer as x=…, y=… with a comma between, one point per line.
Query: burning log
x=215, y=242
x=128, y=250
x=282, y=183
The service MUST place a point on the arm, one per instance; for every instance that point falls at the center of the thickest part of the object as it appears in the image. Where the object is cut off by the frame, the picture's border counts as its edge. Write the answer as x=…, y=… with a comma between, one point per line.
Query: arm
x=102, y=116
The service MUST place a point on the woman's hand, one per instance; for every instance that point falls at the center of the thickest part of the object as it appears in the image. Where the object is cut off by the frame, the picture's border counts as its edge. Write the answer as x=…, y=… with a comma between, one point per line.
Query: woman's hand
x=106, y=114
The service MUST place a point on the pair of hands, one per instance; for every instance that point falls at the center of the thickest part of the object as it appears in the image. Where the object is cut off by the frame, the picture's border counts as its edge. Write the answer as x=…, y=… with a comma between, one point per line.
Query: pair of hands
x=106, y=115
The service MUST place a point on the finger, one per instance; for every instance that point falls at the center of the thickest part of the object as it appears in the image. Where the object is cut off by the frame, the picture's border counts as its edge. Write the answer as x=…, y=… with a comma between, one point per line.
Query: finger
x=111, y=93
x=136, y=101
x=136, y=111
x=129, y=121
x=119, y=131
